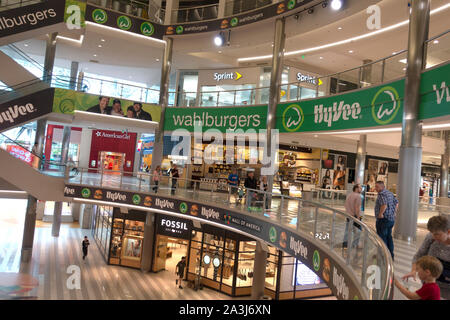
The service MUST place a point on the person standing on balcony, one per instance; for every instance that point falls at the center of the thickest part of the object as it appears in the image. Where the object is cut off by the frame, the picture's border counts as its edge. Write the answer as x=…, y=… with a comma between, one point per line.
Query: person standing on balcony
x=250, y=183
x=175, y=176
x=233, y=181
x=156, y=177
x=386, y=206
x=353, y=208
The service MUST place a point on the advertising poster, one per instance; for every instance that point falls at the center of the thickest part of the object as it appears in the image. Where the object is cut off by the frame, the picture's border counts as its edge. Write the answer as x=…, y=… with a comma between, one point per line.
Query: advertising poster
x=340, y=166
x=67, y=101
x=372, y=175
x=327, y=182
x=382, y=171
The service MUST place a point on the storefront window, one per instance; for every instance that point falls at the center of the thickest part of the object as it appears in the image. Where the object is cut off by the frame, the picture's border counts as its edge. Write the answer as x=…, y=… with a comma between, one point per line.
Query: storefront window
x=272, y=269
x=102, y=228
x=211, y=266
x=244, y=277
x=228, y=267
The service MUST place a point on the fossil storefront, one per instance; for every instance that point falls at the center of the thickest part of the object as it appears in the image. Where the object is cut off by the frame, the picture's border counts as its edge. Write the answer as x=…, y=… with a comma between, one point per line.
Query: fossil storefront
x=221, y=259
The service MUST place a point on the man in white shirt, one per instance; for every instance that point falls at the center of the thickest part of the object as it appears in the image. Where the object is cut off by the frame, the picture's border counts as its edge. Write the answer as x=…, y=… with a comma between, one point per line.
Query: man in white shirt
x=353, y=208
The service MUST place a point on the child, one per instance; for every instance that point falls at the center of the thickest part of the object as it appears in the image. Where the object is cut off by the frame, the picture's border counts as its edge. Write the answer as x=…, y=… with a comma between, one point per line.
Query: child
x=428, y=269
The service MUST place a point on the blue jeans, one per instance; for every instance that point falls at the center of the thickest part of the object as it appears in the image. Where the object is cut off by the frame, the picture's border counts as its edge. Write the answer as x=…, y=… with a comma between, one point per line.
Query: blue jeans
x=384, y=230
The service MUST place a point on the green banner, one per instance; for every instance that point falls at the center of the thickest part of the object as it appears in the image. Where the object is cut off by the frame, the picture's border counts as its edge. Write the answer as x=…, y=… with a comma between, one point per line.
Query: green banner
x=372, y=107
x=67, y=101
x=434, y=93
x=221, y=118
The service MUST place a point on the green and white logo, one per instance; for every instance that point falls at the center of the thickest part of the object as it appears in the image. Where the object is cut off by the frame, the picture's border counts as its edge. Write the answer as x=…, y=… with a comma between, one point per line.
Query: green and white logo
x=136, y=199
x=234, y=22
x=385, y=105
x=147, y=29
x=86, y=193
x=272, y=234
x=291, y=4
x=124, y=23
x=179, y=30
x=183, y=207
x=316, y=260
x=99, y=16
x=293, y=118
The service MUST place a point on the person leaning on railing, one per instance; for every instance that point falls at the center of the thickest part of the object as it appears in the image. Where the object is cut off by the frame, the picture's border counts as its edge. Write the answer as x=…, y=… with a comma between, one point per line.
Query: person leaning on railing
x=436, y=244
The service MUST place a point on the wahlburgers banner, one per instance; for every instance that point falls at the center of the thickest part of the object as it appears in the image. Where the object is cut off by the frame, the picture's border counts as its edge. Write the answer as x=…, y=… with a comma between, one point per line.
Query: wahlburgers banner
x=25, y=109
x=377, y=106
x=136, y=25
x=342, y=283
x=223, y=119
x=123, y=22
x=42, y=14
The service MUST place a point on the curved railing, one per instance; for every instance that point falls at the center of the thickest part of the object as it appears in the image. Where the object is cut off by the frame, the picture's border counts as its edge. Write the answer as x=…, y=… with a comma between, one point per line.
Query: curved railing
x=383, y=70
x=330, y=227
x=147, y=9
x=17, y=4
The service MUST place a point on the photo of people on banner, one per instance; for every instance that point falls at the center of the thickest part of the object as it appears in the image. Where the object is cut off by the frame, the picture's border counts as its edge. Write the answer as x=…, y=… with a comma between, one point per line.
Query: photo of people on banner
x=333, y=171
x=377, y=171
x=67, y=101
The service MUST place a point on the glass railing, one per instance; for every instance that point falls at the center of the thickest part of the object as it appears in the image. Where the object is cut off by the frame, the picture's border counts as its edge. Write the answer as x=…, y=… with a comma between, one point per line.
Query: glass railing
x=147, y=9
x=234, y=7
x=428, y=206
x=322, y=223
x=381, y=71
x=194, y=14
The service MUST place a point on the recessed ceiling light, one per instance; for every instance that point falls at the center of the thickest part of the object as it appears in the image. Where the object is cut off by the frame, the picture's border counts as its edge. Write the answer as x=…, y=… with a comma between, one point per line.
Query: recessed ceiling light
x=402, y=61
x=320, y=58
x=157, y=60
x=220, y=51
x=340, y=28
x=95, y=55
x=99, y=45
x=394, y=52
x=404, y=69
x=436, y=41
x=350, y=51
x=102, y=40
x=25, y=45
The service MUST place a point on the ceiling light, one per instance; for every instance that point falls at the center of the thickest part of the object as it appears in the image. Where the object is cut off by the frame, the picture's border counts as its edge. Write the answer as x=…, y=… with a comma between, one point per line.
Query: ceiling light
x=99, y=45
x=219, y=39
x=336, y=4
x=402, y=61
x=350, y=51
x=25, y=45
x=324, y=4
x=340, y=28
x=95, y=55
x=404, y=69
x=333, y=44
x=157, y=60
x=320, y=58
x=436, y=41
x=220, y=51
x=311, y=10
x=394, y=52
x=102, y=40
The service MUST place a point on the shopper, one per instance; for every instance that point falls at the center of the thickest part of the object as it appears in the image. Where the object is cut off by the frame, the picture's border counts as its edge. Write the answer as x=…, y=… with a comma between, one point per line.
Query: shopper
x=250, y=183
x=156, y=178
x=428, y=269
x=84, y=246
x=179, y=270
x=233, y=181
x=141, y=114
x=353, y=208
x=175, y=176
x=386, y=206
x=436, y=244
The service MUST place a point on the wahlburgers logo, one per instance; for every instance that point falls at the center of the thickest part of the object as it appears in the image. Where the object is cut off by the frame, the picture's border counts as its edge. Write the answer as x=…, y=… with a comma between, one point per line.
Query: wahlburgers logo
x=272, y=234
x=291, y=4
x=136, y=199
x=234, y=22
x=183, y=207
x=316, y=260
x=293, y=118
x=124, y=23
x=385, y=105
x=86, y=193
x=99, y=16
x=147, y=29
x=179, y=30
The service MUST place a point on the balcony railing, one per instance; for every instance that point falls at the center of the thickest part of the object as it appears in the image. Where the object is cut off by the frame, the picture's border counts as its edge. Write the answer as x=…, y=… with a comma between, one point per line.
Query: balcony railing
x=139, y=8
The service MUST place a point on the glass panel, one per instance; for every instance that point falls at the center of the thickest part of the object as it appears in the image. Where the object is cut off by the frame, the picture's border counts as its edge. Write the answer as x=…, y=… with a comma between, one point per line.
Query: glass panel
x=437, y=50
x=395, y=67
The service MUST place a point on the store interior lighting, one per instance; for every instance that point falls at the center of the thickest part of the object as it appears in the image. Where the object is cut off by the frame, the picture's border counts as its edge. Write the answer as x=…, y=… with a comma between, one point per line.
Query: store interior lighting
x=336, y=4
x=219, y=39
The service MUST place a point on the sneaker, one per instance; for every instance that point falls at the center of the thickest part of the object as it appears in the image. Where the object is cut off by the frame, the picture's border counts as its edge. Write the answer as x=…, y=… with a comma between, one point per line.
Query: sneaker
x=180, y=287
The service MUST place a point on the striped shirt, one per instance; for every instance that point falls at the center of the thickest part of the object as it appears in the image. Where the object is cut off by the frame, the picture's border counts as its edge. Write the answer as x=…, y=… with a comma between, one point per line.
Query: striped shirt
x=386, y=197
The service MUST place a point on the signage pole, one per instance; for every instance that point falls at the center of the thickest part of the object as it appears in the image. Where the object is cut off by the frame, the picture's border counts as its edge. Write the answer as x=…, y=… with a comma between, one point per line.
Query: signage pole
x=361, y=158
x=163, y=102
x=410, y=159
x=443, y=192
x=49, y=60
x=275, y=81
